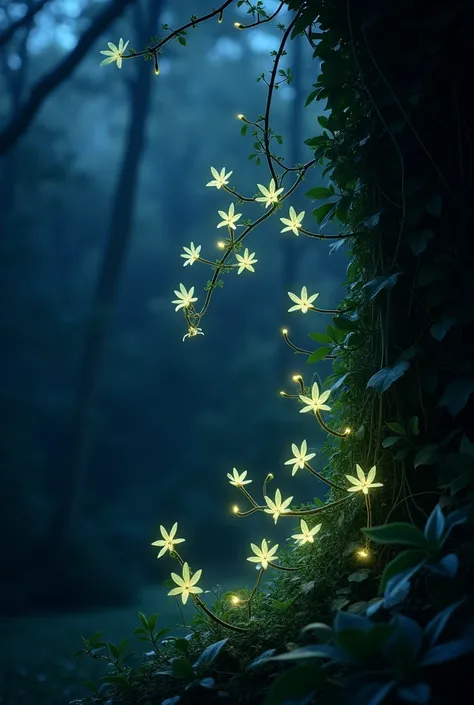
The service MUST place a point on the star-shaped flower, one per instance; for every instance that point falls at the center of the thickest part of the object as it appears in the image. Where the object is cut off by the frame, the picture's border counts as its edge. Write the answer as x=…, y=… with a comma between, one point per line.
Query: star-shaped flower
x=184, y=298
x=303, y=302
x=270, y=195
x=293, y=223
x=301, y=457
x=361, y=482
x=263, y=555
x=220, y=179
x=246, y=261
x=238, y=480
x=192, y=331
x=168, y=541
x=277, y=507
x=228, y=219
x=307, y=535
x=115, y=53
x=186, y=584
x=191, y=254
x=316, y=402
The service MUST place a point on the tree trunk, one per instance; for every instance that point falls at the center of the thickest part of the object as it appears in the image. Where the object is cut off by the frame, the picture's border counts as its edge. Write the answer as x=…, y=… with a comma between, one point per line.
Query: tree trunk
x=119, y=236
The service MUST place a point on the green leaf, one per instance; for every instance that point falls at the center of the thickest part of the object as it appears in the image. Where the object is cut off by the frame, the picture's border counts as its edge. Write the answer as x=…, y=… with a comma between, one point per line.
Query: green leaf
x=418, y=241
x=310, y=98
x=397, y=533
x=143, y=620
x=320, y=337
x=182, y=41
x=380, y=283
x=318, y=355
x=405, y=560
x=181, y=644
x=359, y=576
x=320, y=192
x=210, y=653
x=344, y=323
x=323, y=212
x=456, y=394
x=182, y=668
x=295, y=685
x=114, y=650
x=426, y=455
x=413, y=426
x=396, y=428
x=390, y=441
x=384, y=378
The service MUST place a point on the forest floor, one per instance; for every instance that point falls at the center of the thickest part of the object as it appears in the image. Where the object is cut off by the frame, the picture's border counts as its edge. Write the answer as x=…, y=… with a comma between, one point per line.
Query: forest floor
x=36, y=662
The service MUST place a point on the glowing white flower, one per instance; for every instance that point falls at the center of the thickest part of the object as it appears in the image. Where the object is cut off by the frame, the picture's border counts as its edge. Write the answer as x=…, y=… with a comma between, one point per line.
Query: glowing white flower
x=246, y=261
x=361, y=482
x=228, y=219
x=270, y=195
x=301, y=457
x=186, y=584
x=293, y=223
x=192, y=331
x=115, y=53
x=277, y=507
x=263, y=555
x=184, y=298
x=220, y=179
x=316, y=402
x=191, y=254
x=303, y=302
x=307, y=535
x=168, y=541
x=238, y=480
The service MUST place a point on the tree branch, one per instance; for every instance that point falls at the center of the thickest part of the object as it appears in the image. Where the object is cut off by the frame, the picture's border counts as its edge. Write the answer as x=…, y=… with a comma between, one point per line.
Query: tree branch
x=22, y=22
x=20, y=122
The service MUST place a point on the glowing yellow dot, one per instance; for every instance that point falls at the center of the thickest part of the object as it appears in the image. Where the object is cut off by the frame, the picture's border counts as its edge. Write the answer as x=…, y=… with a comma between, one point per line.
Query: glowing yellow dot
x=347, y=431
x=240, y=116
x=237, y=25
x=284, y=331
x=362, y=553
x=235, y=600
x=221, y=245
x=283, y=394
x=235, y=509
x=296, y=378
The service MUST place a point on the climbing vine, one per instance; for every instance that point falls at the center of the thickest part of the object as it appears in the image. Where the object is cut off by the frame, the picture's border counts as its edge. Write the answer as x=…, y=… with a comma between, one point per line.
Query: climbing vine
x=400, y=166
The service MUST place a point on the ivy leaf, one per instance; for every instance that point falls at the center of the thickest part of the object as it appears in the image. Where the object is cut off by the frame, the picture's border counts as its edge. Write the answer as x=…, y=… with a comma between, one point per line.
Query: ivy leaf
x=434, y=527
x=418, y=241
x=384, y=378
x=439, y=330
x=320, y=192
x=380, y=283
x=397, y=533
x=456, y=394
x=318, y=355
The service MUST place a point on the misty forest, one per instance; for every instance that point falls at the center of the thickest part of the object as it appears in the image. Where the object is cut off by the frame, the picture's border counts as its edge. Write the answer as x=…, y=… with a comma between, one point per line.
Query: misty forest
x=236, y=360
